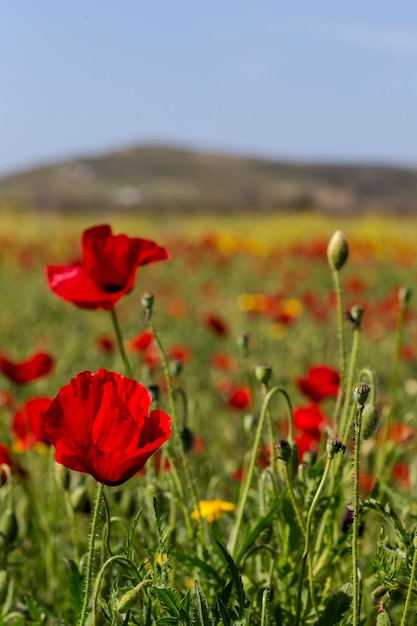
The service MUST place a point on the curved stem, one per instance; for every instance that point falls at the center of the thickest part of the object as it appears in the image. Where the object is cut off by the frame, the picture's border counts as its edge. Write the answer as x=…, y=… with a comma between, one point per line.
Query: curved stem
x=308, y=540
x=120, y=559
x=119, y=337
x=410, y=584
x=248, y=481
x=90, y=560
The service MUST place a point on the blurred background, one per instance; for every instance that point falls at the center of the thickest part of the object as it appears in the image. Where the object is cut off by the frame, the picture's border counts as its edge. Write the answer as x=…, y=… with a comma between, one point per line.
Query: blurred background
x=208, y=108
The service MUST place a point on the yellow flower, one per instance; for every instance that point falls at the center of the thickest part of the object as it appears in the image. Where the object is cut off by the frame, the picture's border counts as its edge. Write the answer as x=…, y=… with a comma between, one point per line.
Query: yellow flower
x=211, y=510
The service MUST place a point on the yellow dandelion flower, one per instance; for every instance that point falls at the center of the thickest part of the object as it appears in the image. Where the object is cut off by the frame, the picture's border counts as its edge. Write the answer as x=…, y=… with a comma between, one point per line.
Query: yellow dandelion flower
x=211, y=510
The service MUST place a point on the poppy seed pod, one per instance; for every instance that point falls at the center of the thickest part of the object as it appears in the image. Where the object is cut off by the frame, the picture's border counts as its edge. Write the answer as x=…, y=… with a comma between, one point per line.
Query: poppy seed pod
x=128, y=600
x=361, y=392
x=334, y=446
x=243, y=343
x=147, y=301
x=337, y=250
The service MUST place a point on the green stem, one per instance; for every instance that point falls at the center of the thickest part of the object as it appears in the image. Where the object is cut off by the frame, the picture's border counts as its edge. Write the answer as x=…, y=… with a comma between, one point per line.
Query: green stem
x=342, y=342
x=127, y=563
x=119, y=337
x=355, y=527
x=293, y=501
x=410, y=584
x=308, y=540
x=90, y=560
x=349, y=381
x=399, y=334
x=265, y=608
x=271, y=434
x=175, y=428
x=248, y=481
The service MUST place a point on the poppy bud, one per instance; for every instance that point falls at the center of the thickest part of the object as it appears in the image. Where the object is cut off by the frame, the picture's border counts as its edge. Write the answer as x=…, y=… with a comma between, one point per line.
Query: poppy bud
x=383, y=618
x=404, y=295
x=175, y=367
x=4, y=586
x=334, y=446
x=243, y=343
x=361, y=392
x=62, y=476
x=79, y=499
x=128, y=600
x=8, y=526
x=250, y=422
x=147, y=301
x=370, y=421
x=187, y=438
x=263, y=373
x=154, y=391
x=284, y=451
x=337, y=250
x=356, y=315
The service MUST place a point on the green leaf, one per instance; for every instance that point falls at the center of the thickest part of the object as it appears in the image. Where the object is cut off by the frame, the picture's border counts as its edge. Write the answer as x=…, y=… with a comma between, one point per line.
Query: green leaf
x=170, y=598
x=387, y=512
x=237, y=580
x=261, y=524
x=336, y=607
x=132, y=530
x=200, y=611
x=205, y=567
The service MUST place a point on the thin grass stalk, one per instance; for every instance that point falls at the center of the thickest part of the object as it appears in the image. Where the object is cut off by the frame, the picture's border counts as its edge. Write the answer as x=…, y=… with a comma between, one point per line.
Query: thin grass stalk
x=119, y=338
x=410, y=584
x=90, y=559
x=307, y=541
x=248, y=481
x=356, y=603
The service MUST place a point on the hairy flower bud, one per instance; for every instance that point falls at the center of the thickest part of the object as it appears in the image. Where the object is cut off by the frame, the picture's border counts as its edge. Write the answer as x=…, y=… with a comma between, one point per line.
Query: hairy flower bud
x=337, y=250
x=243, y=343
x=356, y=315
x=128, y=600
x=263, y=373
x=284, y=451
x=370, y=421
x=404, y=295
x=147, y=301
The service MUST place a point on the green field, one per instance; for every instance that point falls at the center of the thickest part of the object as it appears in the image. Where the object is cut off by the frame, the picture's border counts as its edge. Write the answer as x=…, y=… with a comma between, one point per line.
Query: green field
x=278, y=554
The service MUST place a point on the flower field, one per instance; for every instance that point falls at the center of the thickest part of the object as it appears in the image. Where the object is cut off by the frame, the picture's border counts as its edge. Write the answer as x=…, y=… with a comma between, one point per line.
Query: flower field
x=208, y=422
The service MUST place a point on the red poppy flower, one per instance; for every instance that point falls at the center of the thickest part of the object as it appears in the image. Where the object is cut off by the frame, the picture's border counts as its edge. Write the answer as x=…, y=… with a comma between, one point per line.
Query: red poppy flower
x=216, y=324
x=240, y=398
x=28, y=422
x=38, y=365
x=105, y=343
x=108, y=269
x=309, y=418
x=100, y=424
x=141, y=341
x=321, y=382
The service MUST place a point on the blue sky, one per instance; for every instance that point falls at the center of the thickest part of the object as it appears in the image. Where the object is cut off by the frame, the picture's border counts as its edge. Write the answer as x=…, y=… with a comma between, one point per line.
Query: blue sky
x=328, y=81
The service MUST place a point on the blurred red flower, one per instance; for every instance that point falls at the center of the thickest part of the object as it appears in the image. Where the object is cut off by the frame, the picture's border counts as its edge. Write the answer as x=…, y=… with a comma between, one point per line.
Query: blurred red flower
x=216, y=324
x=321, y=382
x=223, y=361
x=100, y=424
x=5, y=459
x=28, y=422
x=108, y=269
x=38, y=365
x=240, y=398
x=141, y=341
x=105, y=343
x=309, y=418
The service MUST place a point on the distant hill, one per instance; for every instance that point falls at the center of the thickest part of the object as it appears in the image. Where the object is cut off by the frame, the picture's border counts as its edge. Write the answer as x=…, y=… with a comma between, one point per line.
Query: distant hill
x=166, y=178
